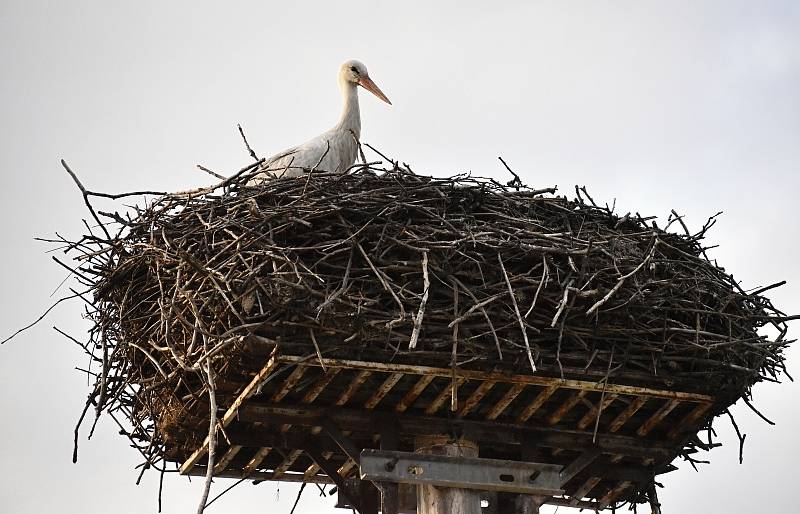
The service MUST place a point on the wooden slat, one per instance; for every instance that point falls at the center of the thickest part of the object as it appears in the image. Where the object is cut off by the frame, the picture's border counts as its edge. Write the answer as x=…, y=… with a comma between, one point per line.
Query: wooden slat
x=688, y=423
x=584, y=490
x=382, y=391
x=284, y=466
x=656, y=418
x=291, y=381
x=348, y=393
x=230, y=414
x=565, y=407
x=320, y=385
x=590, y=417
x=629, y=411
x=413, y=393
x=505, y=401
x=226, y=459
x=613, y=494
x=255, y=461
x=476, y=396
x=502, y=377
x=537, y=402
x=443, y=395
x=346, y=468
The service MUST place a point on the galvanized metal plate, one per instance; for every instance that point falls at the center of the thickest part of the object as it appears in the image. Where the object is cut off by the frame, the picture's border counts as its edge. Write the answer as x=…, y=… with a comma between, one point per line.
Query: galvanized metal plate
x=461, y=472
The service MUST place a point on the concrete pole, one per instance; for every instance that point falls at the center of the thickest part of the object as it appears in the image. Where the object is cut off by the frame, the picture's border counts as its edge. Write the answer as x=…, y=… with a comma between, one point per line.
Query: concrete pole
x=443, y=500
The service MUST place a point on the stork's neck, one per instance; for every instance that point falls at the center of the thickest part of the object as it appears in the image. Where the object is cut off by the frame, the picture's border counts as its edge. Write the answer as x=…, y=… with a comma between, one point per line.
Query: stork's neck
x=351, y=116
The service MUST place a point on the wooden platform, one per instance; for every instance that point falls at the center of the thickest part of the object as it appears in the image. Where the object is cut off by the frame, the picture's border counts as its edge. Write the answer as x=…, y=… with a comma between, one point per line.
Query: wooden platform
x=307, y=419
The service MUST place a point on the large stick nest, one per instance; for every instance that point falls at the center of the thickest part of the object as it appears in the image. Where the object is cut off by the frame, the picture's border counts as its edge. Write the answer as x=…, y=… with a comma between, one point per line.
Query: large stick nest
x=396, y=267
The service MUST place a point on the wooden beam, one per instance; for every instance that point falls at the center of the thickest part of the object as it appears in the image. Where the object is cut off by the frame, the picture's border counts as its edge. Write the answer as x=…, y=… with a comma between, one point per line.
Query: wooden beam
x=233, y=410
x=505, y=401
x=291, y=381
x=583, y=490
x=656, y=418
x=348, y=393
x=413, y=393
x=688, y=423
x=502, y=377
x=577, y=465
x=226, y=459
x=488, y=431
x=476, y=397
x=590, y=417
x=612, y=494
x=629, y=411
x=284, y=466
x=443, y=395
x=383, y=390
x=320, y=385
x=329, y=469
x=565, y=407
x=537, y=402
x=254, y=462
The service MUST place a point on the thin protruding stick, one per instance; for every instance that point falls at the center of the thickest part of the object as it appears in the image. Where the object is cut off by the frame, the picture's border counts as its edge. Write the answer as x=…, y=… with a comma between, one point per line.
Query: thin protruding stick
x=516, y=311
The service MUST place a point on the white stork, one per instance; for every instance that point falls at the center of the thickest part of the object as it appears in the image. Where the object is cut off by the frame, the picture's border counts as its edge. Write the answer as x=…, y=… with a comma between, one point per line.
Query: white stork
x=335, y=150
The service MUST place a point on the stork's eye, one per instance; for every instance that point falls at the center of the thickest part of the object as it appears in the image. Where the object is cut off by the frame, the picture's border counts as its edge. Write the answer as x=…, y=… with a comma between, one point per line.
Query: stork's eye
x=354, y=69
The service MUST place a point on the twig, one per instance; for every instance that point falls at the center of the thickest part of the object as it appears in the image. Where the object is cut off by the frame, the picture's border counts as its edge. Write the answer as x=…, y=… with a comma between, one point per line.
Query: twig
x=516, y=311
x=418, y=318
x=249, y=150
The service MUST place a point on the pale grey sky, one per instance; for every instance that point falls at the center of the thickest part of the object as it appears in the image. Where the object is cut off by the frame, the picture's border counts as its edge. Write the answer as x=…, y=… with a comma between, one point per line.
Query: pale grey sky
x=692, y=105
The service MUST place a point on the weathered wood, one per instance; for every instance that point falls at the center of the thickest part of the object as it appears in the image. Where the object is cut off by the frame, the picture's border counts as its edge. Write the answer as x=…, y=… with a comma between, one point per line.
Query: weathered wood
x=476, y=397
x=657, y=416
x=689, y=422
x=537, y=402
x=442, y=500
x=502, y=433
x=502, y=377
x=232, y=411
x=625, y=415
x=505, y=401
x=413, y=393
x=382, y=390
x=443, y=395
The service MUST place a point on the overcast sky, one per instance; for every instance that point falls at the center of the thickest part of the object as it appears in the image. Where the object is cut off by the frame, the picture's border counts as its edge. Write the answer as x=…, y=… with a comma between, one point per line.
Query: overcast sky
x=691, y=105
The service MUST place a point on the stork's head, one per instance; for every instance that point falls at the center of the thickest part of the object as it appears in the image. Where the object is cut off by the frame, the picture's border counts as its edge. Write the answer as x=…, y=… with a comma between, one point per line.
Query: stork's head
x=354, y=72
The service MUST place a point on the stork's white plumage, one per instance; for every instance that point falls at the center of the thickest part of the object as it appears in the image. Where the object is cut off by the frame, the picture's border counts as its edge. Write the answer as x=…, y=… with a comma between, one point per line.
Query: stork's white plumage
x=336, y=149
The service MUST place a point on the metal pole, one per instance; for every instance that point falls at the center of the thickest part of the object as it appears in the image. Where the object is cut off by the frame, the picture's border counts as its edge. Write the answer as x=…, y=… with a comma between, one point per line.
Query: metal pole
x=442, y=500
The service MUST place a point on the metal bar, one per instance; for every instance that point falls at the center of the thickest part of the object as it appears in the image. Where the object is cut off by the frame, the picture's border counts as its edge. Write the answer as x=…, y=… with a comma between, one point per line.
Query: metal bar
x=629, y=411
x=505, y=401
x=656, y=418
x=460, y=472
x=476, y=396
x=502, y=377
x=232, y=411
x=537, y=402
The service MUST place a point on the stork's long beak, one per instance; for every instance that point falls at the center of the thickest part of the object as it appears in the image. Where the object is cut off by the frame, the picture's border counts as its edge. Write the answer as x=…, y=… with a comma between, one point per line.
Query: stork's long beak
x=373, y=88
